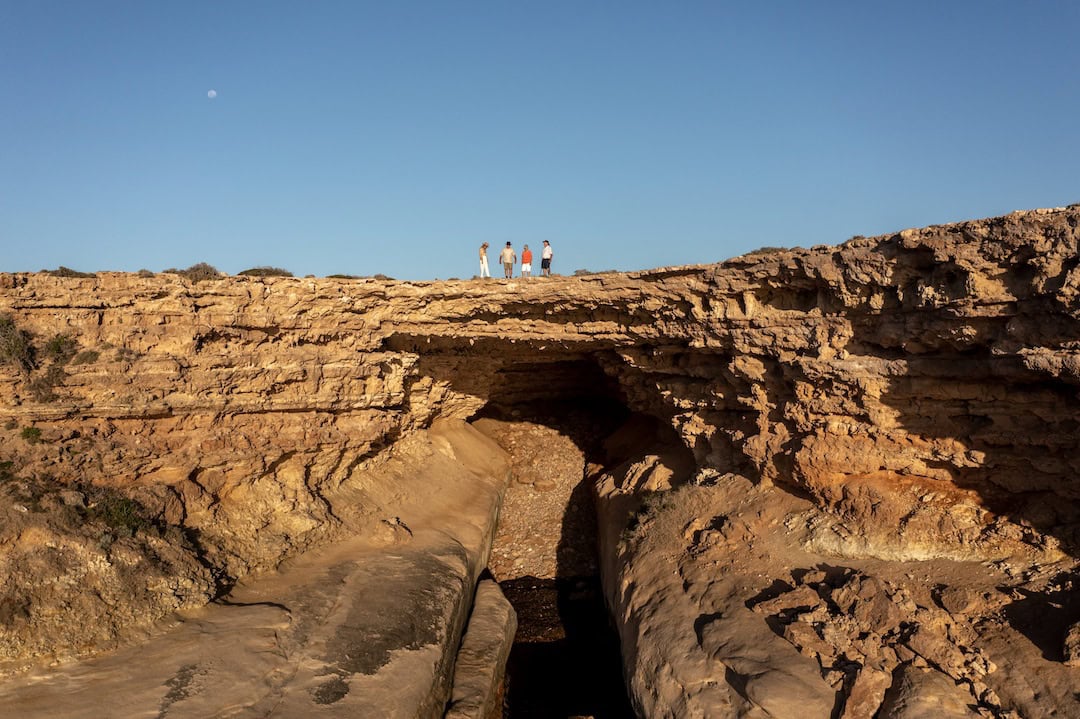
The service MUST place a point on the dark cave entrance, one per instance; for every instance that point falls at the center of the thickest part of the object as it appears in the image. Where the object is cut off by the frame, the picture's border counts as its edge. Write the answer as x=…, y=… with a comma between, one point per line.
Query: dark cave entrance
x=565, y=660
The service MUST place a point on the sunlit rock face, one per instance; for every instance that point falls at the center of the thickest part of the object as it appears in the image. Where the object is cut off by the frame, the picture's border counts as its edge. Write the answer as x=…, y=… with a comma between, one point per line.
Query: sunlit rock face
x=917, y=391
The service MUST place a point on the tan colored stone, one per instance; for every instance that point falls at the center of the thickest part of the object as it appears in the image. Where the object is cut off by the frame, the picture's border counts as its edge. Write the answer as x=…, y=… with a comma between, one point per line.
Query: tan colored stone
x=481, y=661
x=919, y=693
x=915, y=392
x=866, y=694
x=1071, y=646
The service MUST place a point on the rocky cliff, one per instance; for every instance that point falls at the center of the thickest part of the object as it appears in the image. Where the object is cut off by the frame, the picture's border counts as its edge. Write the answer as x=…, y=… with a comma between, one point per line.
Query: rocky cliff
x=899, y=401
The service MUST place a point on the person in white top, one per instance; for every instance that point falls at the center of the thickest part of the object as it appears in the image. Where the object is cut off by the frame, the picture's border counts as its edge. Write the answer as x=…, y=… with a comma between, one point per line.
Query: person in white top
x=545, y=260
x=484, y=271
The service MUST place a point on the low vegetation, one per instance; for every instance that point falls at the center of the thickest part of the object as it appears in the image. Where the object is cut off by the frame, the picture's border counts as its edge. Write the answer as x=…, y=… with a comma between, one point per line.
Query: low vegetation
x=43, y=387
x=86, y=357
x=361, y=277
x=765, y=251
x=652, y=503
x=197, y=273
x=62, y=271
x=266, y=272
x=15, y=345
x=123, y=515
x=85, y=506
x=31, y=434
x=17, y=348
x=126, y=354
x=61, y=348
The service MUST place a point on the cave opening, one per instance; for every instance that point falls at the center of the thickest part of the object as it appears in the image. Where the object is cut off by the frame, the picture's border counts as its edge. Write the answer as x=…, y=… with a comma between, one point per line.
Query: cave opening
x=552, y=418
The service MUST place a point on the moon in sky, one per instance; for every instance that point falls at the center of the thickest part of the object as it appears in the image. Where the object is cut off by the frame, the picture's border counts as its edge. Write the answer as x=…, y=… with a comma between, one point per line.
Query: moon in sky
x=212, y=94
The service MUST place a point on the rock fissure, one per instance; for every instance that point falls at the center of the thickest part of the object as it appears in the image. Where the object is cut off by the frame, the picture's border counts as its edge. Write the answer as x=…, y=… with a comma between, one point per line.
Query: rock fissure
x=896, y=405
x=545, y=557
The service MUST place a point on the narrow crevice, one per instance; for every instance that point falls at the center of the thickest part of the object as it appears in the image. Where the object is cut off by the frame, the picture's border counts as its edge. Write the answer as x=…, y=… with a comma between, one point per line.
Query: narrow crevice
x=565, y=660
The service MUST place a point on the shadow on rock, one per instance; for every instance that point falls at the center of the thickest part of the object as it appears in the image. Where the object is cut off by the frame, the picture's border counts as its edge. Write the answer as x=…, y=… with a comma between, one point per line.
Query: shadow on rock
x=565, y=660
x=1045, y=617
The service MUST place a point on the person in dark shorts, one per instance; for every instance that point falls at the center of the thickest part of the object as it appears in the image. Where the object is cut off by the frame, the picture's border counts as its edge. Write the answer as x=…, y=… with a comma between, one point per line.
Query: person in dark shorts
x=545, y=259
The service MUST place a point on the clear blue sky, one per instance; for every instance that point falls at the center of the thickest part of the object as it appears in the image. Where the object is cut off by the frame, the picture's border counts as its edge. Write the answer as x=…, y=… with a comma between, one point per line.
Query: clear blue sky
x=393, y=137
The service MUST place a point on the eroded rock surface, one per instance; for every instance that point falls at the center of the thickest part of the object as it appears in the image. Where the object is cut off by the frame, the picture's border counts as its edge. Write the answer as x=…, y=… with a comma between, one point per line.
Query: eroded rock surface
x=369, y=626
x=481, y=662
x=899, y=405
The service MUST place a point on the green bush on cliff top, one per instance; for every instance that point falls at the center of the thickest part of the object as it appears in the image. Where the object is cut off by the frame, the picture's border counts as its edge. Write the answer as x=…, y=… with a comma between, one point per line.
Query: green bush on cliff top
x=197, y=272
x=266, y=272
x=62, y=271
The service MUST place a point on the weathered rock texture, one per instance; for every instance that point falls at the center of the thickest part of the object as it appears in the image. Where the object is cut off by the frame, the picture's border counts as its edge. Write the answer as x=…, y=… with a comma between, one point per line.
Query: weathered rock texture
x=901, y=401
x=481, y=662
x=368, y=627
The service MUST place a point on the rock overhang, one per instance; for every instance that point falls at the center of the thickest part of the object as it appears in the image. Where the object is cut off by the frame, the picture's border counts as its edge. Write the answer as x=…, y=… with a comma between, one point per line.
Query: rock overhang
x=938, y=361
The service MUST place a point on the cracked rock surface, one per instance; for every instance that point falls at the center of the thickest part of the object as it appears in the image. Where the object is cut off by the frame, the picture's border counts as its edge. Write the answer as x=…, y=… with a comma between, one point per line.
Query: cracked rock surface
x=369, y=626
x=896, y=405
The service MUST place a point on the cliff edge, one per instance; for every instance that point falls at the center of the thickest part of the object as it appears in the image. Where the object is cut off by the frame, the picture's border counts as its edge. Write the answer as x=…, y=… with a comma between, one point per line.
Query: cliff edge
x=857, y=423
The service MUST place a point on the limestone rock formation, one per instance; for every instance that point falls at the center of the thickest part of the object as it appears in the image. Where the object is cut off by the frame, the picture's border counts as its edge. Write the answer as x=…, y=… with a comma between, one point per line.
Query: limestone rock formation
x=369, y=626
x=484, y=651
x=870, y=485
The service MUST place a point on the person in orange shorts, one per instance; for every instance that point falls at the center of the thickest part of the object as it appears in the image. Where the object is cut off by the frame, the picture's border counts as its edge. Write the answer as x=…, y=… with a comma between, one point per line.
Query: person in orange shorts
x=526, y=262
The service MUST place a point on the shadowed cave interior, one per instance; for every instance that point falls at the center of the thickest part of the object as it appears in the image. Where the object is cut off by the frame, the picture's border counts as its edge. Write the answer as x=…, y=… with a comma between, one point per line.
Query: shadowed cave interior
x=565, y=660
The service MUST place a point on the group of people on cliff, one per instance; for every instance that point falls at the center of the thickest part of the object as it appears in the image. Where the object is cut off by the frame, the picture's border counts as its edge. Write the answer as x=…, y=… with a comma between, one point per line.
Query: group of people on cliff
x=508, y=258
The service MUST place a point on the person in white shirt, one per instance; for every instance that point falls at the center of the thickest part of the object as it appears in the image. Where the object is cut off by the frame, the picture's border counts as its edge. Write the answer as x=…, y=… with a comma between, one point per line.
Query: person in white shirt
x=545, y=259
x=508, y=258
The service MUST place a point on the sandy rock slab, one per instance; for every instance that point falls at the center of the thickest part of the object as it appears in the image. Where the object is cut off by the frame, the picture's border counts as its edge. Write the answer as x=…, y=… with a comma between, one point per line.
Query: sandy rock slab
x=481, y=661
x=365, y=635
x=362, y=628
x=728, y=606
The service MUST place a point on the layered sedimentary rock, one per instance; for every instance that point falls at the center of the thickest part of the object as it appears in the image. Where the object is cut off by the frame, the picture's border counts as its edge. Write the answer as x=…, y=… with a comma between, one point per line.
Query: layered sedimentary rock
x=899, y=401
x=369, y=626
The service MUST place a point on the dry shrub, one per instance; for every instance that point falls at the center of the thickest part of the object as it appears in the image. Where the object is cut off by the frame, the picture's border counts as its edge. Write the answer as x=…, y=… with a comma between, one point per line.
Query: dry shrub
x=266, y=272
x=15, y=345
x=62, y=271
x=197, y=272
